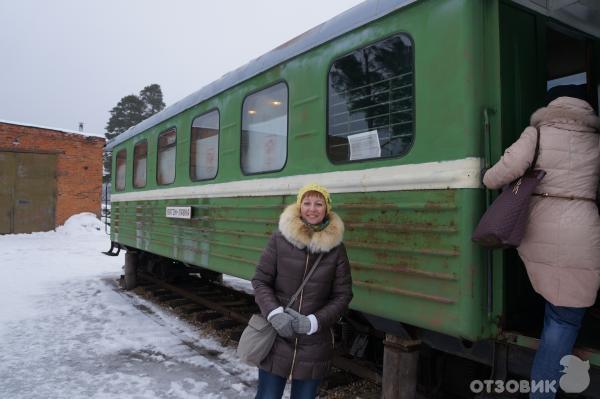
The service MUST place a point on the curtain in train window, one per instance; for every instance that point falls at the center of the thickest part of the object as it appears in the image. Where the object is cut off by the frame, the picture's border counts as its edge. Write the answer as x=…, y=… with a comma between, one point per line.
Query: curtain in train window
x=264, y=130
x=140, y=154
x=204, y=148
x=371, y=102
x=121, y=165
x=165, y=169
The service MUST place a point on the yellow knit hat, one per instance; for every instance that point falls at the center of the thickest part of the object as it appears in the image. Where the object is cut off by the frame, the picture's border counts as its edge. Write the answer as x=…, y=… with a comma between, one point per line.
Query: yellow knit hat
x=319, y=189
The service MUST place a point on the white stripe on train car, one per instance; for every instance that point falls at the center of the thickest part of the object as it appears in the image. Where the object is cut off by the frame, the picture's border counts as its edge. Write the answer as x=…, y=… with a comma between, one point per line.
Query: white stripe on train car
x=460, y=173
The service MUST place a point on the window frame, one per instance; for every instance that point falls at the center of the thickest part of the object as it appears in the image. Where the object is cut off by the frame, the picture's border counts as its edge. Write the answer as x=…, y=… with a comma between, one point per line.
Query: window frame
x=218, y=144
x=414, y=112
x=172, y=128
x=144, y=141
x=117, y=189
x=287, y=133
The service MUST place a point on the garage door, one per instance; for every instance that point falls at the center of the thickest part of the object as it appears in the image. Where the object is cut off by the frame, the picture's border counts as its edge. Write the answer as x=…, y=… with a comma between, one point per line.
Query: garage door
x=27, y=192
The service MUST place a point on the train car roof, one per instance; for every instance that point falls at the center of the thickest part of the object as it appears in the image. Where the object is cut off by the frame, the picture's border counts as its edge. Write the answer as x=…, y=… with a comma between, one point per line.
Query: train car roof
x=584, y=14
x=351, y=19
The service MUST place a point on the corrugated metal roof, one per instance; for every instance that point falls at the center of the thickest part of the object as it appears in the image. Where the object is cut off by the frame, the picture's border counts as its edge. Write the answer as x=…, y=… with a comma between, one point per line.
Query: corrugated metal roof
x=353, y=18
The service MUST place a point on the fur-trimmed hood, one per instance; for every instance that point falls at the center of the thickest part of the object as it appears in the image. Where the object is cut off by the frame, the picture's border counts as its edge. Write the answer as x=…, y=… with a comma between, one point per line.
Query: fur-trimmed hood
x=566, y=110
x=301, y=236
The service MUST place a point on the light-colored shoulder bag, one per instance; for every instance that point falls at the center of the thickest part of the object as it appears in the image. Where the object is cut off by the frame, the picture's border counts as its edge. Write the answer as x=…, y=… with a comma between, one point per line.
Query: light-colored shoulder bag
x=258, y=337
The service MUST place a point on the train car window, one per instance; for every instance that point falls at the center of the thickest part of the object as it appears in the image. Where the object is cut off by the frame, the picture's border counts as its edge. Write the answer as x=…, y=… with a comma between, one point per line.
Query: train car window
x=265, y=130
x=121, y=166
x=204, y=147
x=140, y=155
x=165, y=168
x=370, y=111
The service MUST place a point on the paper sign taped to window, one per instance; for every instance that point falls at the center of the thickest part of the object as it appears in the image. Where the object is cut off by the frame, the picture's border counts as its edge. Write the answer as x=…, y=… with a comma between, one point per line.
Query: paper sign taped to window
x=364, y=145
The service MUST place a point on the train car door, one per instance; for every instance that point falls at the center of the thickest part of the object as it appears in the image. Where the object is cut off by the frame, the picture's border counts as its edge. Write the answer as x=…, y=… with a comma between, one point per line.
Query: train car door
x=538, y=53
x=522, y=92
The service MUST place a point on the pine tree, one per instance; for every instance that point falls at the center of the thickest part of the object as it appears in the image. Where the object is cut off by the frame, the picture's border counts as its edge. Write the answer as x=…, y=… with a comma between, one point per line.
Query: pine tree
x=130, y=111
x=153, y=99
x=127, y=113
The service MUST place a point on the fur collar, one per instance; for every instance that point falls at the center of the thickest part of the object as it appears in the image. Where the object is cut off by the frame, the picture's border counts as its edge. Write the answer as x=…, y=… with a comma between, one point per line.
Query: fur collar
x=301, y=236
x=568, y=111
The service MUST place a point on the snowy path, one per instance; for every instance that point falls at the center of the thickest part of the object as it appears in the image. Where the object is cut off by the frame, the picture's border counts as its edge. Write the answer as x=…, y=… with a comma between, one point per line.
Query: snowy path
x=66, y=331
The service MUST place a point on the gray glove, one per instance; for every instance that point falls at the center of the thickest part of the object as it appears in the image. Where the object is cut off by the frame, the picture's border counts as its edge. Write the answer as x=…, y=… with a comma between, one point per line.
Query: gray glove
x=282, y=323
x=300, y=323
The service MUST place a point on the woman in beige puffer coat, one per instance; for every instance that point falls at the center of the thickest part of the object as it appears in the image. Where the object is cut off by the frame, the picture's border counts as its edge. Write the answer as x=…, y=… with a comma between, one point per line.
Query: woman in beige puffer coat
x=561, y=246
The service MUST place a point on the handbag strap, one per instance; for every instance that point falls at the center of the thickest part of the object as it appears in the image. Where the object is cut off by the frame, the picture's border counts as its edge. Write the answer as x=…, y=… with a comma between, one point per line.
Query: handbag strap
x=537, y=150
x=314, y=267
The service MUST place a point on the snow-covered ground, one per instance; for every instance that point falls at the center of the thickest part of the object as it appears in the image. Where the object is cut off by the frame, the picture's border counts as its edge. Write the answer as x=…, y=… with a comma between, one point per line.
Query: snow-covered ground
x=67, y=331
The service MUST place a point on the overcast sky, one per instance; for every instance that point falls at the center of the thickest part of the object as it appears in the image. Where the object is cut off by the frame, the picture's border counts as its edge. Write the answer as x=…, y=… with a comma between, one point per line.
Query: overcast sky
x=66, y=61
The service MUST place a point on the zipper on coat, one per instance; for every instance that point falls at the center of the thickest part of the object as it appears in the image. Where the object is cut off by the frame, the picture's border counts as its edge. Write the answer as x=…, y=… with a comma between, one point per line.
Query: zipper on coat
x=299, y=308
x=332, y=338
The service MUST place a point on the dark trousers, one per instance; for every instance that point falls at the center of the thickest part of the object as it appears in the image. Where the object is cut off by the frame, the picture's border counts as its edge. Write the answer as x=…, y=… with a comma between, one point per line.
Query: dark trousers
x=271, y=386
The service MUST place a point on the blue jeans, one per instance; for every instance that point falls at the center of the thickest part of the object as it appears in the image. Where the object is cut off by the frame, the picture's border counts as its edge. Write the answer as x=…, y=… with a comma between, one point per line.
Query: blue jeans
x=561, y=326
x=271, y=386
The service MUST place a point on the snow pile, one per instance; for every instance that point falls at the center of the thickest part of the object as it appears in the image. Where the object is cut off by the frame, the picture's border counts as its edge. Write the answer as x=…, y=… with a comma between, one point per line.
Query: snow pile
x=83, y=222
x=238, y=284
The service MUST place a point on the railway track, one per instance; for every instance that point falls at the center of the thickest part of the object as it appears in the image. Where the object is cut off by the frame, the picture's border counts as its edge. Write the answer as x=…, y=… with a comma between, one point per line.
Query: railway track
x=225, y=312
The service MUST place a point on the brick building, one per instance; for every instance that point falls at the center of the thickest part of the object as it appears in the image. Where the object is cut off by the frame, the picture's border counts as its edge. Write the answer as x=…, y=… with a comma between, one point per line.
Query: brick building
x=46, y=176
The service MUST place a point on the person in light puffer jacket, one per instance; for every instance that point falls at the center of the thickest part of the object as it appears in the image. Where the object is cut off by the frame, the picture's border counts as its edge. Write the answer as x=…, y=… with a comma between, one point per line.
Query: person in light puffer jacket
x=561, y=246
x=303, y=349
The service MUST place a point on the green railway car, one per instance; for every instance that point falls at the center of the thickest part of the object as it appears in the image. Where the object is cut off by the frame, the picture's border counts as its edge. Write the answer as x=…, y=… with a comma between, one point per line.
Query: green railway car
x=395, y=106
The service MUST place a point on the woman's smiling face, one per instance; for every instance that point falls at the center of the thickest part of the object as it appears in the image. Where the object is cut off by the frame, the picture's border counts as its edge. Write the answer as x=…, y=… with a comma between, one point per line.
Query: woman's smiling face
x=313, y=207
